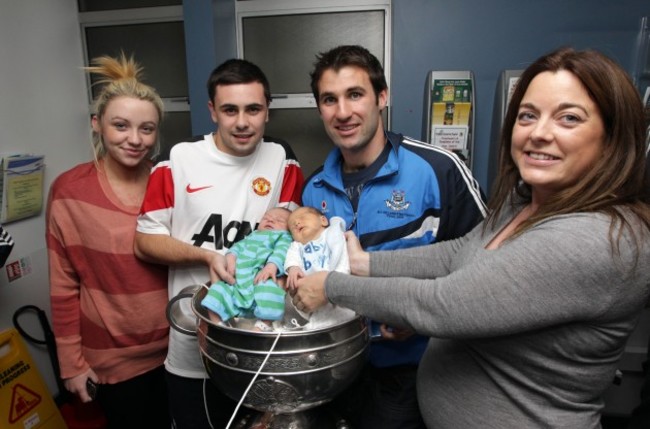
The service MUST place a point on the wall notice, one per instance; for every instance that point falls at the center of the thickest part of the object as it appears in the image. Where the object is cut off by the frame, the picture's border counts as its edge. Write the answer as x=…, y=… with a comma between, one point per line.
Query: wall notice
x=451, y=113
x=21, y=182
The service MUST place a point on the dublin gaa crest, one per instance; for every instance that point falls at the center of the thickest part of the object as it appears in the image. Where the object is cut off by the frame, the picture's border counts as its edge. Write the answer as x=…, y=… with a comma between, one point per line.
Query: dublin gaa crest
x=397, y=201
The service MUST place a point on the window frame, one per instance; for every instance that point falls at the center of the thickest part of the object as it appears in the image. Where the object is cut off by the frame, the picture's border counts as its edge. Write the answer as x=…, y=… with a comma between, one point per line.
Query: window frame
x=261, y=8
x=135, y=16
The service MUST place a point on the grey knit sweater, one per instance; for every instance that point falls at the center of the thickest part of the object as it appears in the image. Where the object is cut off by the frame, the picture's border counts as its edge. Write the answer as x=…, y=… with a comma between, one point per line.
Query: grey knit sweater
x=526, y=336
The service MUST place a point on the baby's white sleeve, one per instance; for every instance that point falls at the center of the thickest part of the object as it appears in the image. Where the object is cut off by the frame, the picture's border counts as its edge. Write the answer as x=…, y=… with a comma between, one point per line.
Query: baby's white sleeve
x=293, y=258
x=339, y=259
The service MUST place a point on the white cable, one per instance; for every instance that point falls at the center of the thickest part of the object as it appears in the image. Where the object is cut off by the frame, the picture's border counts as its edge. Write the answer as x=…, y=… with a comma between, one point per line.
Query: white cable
x=205, y=404
x=266, y=358
x=295, y=323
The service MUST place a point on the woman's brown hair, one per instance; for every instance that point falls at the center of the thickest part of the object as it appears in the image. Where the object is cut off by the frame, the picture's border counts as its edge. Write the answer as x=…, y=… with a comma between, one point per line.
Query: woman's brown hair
x=617, y=179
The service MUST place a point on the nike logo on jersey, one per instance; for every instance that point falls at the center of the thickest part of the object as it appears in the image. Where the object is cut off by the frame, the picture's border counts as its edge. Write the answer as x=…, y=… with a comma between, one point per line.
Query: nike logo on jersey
x=191, y=190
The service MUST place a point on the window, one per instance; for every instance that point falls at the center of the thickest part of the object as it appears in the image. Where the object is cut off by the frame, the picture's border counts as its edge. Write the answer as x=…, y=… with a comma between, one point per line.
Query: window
x=283, y=37
x=155, y=38
x=296, y=39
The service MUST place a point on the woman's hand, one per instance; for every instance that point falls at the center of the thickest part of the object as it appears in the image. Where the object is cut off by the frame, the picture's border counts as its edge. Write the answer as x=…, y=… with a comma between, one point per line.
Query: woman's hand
x=359, y=259
x=77, y=384
x=310, y=293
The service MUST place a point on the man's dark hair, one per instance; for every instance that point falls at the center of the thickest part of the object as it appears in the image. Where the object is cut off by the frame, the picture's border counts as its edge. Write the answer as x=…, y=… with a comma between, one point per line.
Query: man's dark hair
x=236, y=71
x=349, y=56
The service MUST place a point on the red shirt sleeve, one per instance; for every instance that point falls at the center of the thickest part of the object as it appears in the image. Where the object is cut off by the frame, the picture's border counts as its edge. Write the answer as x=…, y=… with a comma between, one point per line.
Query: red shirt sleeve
x=292, y=184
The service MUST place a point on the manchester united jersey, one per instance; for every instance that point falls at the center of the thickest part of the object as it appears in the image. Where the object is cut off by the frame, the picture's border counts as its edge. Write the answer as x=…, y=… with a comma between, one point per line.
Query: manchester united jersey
x=210, y=199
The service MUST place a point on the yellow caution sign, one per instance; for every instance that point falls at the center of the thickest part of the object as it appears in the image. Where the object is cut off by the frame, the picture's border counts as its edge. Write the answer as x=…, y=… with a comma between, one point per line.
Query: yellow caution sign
x=25, y=401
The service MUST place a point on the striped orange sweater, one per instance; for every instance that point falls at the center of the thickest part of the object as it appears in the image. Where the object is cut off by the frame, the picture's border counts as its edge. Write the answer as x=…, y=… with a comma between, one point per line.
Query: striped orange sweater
x=108, y=307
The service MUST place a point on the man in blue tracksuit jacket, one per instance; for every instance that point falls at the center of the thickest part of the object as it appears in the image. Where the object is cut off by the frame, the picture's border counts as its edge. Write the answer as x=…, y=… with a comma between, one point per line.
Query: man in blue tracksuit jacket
x=393, y=192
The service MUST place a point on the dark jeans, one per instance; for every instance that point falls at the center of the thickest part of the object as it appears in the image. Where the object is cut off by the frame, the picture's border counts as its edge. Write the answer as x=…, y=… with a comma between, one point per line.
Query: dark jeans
x=188, y=404
x=381, y=398
x=140, y=402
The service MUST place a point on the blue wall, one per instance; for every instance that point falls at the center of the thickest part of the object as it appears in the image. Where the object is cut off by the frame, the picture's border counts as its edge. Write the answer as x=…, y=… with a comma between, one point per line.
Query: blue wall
x=489, y=36
x=482, y=36
x=209, y=40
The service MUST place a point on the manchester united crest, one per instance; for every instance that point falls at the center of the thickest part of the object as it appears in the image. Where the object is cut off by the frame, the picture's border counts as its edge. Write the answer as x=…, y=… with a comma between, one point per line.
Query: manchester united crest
x=397, y=201
x=261, y=186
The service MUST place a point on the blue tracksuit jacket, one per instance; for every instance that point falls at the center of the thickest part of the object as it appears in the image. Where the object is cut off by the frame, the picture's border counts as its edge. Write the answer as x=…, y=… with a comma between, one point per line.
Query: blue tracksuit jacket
x=421, y=195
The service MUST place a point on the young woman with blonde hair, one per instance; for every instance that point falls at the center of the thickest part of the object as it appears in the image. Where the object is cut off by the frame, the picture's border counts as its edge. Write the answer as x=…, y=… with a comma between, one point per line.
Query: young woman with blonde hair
x=108, y=307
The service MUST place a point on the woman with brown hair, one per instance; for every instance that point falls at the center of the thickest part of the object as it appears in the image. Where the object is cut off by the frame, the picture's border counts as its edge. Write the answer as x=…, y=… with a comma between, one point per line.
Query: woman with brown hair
x=528, y=313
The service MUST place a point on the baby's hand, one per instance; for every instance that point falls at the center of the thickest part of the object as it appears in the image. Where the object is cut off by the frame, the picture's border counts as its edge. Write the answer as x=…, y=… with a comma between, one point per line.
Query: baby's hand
x=293, y=275
x=268, y=272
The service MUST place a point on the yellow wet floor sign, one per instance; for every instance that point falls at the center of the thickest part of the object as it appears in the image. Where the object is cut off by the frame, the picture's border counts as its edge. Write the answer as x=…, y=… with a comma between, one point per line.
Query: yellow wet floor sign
x=25, y=401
